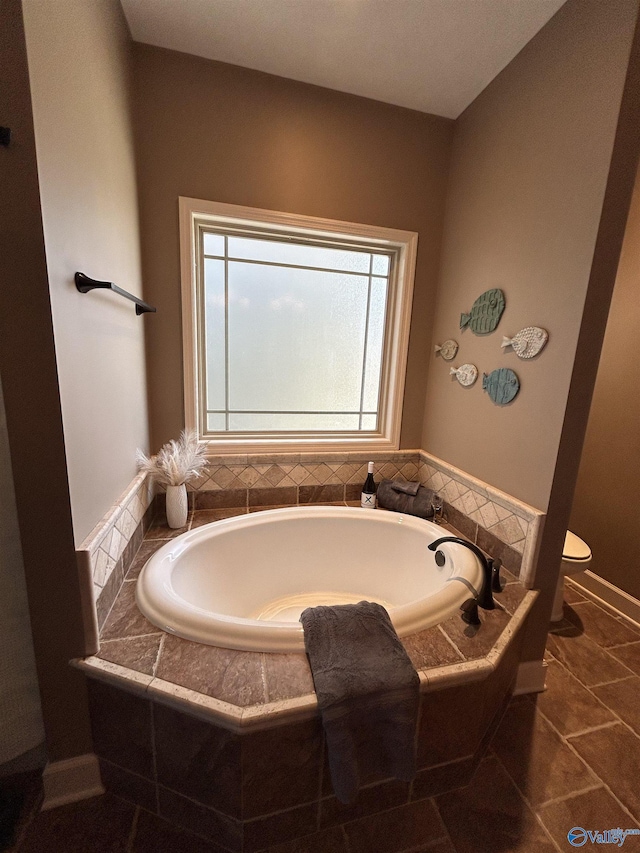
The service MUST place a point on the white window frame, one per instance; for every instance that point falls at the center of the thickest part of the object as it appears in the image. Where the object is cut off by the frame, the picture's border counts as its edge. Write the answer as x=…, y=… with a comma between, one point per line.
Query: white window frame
x=196, y=212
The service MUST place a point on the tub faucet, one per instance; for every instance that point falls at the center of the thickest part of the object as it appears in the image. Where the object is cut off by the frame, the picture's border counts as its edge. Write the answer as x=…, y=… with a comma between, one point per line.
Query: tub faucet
x=489, y=570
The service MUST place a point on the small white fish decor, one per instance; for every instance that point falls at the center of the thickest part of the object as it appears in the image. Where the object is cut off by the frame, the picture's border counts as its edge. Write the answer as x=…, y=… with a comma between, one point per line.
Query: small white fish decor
x=502, y=385
x=466, y=374
x=447, y=350
x=528, y=342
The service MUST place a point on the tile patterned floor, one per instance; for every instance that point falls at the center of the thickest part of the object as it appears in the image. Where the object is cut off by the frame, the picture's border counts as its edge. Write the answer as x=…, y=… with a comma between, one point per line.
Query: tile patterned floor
x=565, y=758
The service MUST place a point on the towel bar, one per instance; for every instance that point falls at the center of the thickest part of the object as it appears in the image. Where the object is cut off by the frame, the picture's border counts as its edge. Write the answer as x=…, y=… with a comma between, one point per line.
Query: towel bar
x=85, y=284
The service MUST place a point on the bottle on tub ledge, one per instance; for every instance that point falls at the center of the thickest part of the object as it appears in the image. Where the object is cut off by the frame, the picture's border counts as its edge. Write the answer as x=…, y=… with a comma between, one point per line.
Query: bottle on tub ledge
x=368, y=495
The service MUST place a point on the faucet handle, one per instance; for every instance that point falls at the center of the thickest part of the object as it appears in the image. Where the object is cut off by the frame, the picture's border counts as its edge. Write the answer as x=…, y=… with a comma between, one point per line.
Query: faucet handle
x=496, y=580
x=470, y=612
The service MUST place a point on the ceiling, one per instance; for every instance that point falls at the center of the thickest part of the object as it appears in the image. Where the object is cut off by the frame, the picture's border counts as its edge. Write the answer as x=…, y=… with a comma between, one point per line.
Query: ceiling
x=430, y=55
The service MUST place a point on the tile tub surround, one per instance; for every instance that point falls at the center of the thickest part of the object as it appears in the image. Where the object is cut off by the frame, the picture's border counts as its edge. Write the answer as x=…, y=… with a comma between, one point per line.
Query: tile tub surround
x=248, y=791
x=239, y=683
x=493, y=814
x=495, y=521
x=212, y=738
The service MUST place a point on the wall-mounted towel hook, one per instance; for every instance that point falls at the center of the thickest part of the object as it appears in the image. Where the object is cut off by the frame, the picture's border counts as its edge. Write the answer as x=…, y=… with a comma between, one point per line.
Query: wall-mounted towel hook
x=85, y=284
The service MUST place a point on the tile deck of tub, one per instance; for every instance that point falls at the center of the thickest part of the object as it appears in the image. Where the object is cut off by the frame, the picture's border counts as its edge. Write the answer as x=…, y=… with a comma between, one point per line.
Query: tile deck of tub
x=246, y=689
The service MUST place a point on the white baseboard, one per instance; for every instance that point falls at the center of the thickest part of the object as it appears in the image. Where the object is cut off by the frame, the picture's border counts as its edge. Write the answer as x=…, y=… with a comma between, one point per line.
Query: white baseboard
x=531, y=677
x=71, y=780
x=611, y=595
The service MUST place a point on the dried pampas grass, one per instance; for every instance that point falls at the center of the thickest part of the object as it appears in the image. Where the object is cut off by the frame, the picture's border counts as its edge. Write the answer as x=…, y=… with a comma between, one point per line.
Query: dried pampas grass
x=177, y=462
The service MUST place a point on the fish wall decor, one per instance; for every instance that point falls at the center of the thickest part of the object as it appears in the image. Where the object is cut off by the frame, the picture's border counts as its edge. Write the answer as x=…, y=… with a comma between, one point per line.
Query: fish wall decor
x=466, y=374
x=485, y=312
x=527, y=342
x=501, y=385
x=447, y=350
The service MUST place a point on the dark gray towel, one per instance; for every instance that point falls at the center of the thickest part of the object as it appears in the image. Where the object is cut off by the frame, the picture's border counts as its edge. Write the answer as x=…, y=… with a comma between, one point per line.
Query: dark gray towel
x=368, y=694
x=389, y=497
x=408, y=487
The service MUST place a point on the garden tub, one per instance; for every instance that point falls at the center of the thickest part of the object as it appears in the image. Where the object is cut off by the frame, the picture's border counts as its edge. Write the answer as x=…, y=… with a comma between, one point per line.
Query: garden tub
x=241, y=583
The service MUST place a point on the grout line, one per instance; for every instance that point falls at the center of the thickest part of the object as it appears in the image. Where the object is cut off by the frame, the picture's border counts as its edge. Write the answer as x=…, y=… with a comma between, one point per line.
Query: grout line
x=635, y=642
x=263, y=676
x=584, y=731
x=597, y=786
x=447, y=836
x=134, y=829
x=613, y=680
x=30, y=817
x=383, y=782
x=450, y=641
x=237, y=820
x=151, y=539
x=125, y=770
x=619, y=720
x=346, y=838
x=108, y=613
x=156, y=663
x=134, y=636
x=525, y=800
x=386, y=811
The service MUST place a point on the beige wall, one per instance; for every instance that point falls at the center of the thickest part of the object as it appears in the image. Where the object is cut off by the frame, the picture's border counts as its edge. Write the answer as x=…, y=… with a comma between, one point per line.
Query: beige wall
x=529, y=169
x=223, y=133
x=79, y=65
x=606, y=510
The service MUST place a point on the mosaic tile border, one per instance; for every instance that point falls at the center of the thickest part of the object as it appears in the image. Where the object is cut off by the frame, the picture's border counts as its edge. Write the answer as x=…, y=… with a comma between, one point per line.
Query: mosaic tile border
x=264, y=472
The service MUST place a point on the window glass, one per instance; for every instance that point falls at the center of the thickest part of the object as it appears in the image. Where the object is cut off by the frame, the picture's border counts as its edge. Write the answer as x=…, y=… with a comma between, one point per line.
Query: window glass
x=293, y=336
x=299, y=254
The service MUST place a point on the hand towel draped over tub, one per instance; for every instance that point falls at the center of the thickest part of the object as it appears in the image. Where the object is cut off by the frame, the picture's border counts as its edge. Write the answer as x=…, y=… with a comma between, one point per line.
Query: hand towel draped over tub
x=368, y=694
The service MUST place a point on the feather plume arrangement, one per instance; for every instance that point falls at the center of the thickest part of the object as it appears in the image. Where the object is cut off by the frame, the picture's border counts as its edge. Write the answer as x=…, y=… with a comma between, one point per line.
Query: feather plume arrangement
x=177, y=462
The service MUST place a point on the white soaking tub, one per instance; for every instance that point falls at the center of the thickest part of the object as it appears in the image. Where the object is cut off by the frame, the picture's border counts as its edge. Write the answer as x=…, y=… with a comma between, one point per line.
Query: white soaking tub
x=241, y=583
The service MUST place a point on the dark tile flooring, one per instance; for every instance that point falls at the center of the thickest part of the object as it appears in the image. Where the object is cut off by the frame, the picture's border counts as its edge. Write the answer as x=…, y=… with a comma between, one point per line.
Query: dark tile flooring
x=564, y=758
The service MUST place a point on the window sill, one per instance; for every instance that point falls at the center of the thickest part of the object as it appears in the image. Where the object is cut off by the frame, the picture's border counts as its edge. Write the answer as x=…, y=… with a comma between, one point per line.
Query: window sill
x=232, y=446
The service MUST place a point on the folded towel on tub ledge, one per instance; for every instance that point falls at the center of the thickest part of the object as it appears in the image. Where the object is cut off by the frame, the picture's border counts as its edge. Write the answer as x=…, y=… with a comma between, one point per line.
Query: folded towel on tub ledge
x=368, y=694
x=408, y=497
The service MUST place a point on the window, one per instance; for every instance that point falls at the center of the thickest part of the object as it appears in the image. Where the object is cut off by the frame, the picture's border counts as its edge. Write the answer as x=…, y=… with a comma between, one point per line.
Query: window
x=295, y=329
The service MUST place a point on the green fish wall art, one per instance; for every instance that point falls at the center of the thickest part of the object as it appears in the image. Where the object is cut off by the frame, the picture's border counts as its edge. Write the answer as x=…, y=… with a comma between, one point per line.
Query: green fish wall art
x=501, y=385
x=485, y=312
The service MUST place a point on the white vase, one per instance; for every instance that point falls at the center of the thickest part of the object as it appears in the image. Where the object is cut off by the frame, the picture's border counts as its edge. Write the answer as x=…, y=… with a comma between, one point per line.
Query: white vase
x=177, y=506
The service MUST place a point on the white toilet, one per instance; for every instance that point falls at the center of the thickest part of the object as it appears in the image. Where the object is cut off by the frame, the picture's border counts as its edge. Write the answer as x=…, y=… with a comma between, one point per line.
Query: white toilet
x=576, y=556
